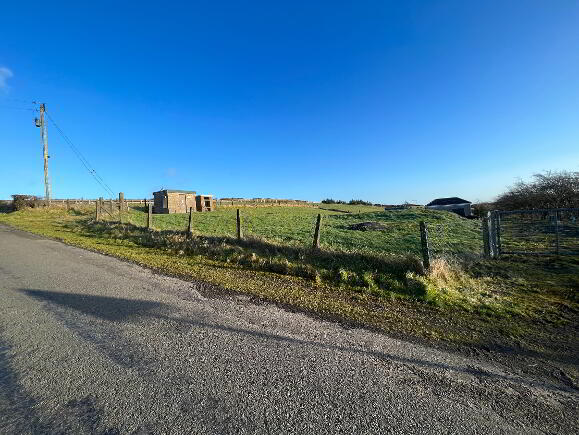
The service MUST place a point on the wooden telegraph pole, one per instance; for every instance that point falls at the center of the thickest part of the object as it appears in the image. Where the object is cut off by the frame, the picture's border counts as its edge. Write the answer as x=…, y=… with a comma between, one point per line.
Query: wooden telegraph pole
x=41, y=124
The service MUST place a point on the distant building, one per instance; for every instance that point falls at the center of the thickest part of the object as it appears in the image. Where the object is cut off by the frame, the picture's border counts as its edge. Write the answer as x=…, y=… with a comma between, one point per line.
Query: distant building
x=179, y=201
x=205, y=203
x=173, y=201
x=456, y=205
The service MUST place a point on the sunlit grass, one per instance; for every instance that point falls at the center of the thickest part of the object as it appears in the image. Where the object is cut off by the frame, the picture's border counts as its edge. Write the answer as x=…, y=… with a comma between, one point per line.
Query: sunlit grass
x=371, y=277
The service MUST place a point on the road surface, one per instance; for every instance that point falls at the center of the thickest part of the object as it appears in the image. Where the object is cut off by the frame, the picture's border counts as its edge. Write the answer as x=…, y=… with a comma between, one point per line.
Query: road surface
x=91, y=344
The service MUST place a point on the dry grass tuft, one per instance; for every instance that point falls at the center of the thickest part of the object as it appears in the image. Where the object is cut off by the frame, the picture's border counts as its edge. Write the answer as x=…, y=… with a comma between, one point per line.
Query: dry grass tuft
x=442, y=270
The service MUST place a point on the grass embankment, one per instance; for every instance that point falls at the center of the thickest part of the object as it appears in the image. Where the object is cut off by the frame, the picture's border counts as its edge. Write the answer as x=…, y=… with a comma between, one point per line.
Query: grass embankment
x=367, y=277
x=294, y=226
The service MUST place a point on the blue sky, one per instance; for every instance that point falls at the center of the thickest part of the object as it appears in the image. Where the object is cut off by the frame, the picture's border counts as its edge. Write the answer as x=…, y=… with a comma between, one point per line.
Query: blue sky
x=388, y=101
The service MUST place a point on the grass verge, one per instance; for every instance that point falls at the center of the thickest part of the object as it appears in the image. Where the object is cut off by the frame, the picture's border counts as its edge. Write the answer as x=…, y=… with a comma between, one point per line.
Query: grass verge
x=514, y=303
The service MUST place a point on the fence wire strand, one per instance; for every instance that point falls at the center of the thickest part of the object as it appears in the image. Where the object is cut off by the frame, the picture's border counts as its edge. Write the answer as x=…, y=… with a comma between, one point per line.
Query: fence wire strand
x=539, y=231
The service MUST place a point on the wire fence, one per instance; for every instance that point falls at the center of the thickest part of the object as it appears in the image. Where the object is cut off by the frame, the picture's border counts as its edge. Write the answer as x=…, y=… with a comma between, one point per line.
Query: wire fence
x=382, y=233
x=538, y=232
x=449, y=239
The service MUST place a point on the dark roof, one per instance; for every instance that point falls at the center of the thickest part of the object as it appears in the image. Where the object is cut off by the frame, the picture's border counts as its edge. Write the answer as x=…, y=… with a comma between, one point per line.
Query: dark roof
x=176, y=191
x=448, y=201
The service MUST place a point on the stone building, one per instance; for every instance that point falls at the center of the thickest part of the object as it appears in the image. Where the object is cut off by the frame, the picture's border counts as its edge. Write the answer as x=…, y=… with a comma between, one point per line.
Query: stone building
x=205, y=203
x=173, y=201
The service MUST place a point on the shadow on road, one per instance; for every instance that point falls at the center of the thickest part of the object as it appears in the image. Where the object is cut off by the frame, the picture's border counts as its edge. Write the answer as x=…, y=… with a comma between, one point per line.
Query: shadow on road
x=129, y=310
x=16, y=404
x=107, y=308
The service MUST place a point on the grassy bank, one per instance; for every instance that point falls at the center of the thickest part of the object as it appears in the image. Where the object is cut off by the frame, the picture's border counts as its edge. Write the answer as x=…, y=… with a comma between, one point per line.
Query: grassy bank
x=365, y=277
x=294, y=226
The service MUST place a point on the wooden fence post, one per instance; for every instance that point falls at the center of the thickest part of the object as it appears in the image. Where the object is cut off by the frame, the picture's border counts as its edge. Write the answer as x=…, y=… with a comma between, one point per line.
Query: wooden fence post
x=150, y=217
x=239, y=232
x=98, y=212
x=122, y=202
x=493, y=229
x=424, y=243
x=486, y=237
x=498, y=246
x=189, y=229
x=316, y=244
x=121, y=199
x=67, y=204
x=557, y=232
x=111, y=206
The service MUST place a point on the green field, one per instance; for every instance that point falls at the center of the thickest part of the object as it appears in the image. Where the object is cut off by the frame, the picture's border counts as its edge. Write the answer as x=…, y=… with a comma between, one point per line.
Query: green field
x=294, y=226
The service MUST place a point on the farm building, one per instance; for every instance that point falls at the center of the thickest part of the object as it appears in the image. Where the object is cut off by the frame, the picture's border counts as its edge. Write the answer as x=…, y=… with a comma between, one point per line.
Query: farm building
x=173, y=201
x=205, y=203
x=456, y=205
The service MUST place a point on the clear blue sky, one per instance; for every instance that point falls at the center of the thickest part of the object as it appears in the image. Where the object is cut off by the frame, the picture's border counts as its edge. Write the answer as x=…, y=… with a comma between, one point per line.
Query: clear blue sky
x=382, y=100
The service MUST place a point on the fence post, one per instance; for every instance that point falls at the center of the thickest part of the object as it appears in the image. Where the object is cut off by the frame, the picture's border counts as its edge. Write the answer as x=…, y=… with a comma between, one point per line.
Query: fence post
x=189, y=225
x=498, y=233
x=493, y=234
x=239, y=232
x=111, y=206
x=150, y=217
x=67, y=204
x=490, y=226
x=486, y=237
x=316, y=244
x=121, y=198
x=122, y=202
x=424, y=243
x=557, y=232
x=98, y=212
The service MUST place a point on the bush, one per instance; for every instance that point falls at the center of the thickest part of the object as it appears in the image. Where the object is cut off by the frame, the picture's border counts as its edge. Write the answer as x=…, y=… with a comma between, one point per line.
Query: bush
x=480, y=209
x=332, y=201
x=20, y=202
x=551, y=189
x=359, y=202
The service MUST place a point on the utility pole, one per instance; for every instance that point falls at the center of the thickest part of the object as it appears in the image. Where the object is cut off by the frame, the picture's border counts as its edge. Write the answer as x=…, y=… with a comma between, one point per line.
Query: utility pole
x=40, y=123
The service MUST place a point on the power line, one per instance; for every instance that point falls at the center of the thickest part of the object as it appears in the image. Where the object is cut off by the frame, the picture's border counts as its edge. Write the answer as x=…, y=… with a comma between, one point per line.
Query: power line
x=82, y=159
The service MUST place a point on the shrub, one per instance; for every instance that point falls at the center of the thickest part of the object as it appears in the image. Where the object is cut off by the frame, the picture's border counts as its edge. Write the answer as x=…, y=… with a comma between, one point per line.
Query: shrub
x=480, y=209
x=551, y=189
x=332, y=201
x=359, y=202
x=20, y=202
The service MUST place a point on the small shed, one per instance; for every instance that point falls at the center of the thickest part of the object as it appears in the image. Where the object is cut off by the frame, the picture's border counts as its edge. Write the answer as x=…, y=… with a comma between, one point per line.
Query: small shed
x=173, y=201
x=454, y=204
x=205, y=203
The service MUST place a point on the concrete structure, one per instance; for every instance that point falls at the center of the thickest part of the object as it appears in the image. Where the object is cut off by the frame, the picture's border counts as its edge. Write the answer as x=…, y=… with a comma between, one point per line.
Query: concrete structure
x=173, y=201
x=205, y=203
x=404, y=206
x=456, y=205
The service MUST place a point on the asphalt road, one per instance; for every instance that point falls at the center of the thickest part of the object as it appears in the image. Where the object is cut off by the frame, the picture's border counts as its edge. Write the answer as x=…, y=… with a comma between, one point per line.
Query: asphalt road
x=91, y=344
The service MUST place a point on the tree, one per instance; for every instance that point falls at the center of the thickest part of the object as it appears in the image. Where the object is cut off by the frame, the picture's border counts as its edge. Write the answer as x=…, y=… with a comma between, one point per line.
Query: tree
x=552, y=189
